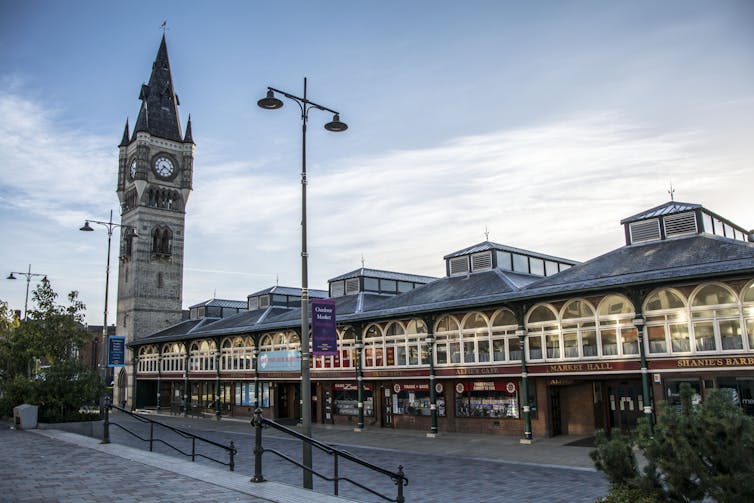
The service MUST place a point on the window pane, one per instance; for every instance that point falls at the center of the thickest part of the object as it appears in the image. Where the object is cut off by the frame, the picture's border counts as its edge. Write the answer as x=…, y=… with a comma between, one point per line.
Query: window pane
x=371, y=284
x=520, y=263
x=535, y=347
x=504, y=260
x=679, y=338
x=551, y=268
x=657, y=343
x=571, y=345
x=484, y=351
x=609, y=341
x=498, y=349
x=589, y=343
x=711, y=295
x=664, y=299
x=630, y=338
x=750, y=332
x=730, y=334
x=537, y=266
x=388, y=285
x=441, y=353
x=553, y=346
x=514, y=348
x=705, y=336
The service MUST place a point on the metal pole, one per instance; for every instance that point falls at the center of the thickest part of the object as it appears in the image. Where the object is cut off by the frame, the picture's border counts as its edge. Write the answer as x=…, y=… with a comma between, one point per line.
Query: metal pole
x=26, y=302
x=104, y=315
x=306, y=389
x=432, y=390
x=360, y=381
x=258, y=449
x=525, y=389
x=639, y=324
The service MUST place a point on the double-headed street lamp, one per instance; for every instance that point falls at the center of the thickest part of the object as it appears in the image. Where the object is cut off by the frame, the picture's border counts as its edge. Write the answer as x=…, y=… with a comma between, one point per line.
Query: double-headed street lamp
x=270, y=102
x=28, y=276
x=130, y=233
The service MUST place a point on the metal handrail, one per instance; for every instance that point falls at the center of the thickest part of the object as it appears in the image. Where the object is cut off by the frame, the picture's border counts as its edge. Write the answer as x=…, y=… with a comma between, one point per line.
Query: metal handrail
x=398, y=478
x=230, y=449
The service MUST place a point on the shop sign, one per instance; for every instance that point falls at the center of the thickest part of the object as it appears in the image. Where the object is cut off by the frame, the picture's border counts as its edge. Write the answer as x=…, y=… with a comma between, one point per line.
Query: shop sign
x=410, y=387
x=509, y=387
x=350, y=387
x=715, y=362
x=324, y=336
x=279, y=361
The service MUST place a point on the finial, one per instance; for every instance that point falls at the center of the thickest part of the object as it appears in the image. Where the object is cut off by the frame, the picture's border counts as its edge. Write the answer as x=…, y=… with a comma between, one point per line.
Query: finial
x=486, y=234
x=362, y=261
x=671, y=192
x=164, y=27
x=277, y=280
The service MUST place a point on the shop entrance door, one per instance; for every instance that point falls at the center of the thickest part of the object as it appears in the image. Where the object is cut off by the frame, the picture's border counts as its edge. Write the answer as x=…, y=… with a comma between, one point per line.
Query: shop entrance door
x=556, y=421
x=625, y=402
x=387, y=409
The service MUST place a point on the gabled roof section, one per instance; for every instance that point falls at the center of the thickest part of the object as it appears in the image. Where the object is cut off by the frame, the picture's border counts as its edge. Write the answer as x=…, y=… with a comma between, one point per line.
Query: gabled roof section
x=668, y=208
x=182, y=330
x=237, y=304
x=158, y=115
x=380, y=274
x=687, y=257
x=287, y=290
x=488, y=245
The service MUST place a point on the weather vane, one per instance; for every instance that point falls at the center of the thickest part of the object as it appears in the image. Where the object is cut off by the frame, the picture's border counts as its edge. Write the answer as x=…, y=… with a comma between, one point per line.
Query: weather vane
x=164, y=27
x=671, y=192
x=362, y=261
x=486, y=234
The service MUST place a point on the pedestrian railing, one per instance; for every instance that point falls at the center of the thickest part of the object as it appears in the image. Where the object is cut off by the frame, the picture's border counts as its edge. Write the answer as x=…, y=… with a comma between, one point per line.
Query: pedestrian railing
x=259, y=422
x=152, y=438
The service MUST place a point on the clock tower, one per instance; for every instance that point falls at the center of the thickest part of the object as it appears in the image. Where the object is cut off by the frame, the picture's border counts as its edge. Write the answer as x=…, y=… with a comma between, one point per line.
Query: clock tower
x=155, y=171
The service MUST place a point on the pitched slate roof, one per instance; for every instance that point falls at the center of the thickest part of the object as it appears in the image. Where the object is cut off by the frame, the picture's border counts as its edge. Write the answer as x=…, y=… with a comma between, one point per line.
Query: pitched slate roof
x=664, y=209
x=489, y=245
x=377, y=273
x=236, y=304
x=677, y=259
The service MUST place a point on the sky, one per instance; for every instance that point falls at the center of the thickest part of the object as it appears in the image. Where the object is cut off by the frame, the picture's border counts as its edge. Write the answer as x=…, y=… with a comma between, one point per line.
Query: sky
x=538, y=124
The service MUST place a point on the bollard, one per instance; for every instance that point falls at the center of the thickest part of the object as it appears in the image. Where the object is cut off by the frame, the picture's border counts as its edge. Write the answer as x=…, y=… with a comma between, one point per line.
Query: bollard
x=258, y=450
x=106, y=420
x=232, y=453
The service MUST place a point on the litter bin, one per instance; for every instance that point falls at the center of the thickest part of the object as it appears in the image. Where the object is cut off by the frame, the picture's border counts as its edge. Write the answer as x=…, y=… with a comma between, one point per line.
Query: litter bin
x=25, y=416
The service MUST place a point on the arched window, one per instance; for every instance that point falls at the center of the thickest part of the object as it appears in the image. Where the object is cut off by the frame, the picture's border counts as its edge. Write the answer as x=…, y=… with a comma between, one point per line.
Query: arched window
x=173, y=357
x=577, y=322
x=716, y=318
x=542, y=325
x=617, y=334
x=505, y=343
x=162, y=241
x=148, y=359
x=667, y=323
x=396, y=348
x=374, y=346
x=447, y=337
x=347, y=347
x=416, y=333
x=747, y=298
x=475, y=333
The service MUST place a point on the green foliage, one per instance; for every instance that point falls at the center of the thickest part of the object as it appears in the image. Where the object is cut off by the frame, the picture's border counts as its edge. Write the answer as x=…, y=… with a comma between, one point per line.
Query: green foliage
x=52, y=335
x=694, y=452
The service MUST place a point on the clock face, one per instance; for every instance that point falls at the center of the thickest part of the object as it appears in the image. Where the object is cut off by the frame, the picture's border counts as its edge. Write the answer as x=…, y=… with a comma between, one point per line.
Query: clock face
x=163, y=167
x=132, y=171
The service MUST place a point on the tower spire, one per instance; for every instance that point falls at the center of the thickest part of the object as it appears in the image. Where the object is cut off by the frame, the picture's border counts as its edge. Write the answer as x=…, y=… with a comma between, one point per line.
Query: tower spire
x=124, y=140
x=159, y=104
x=187, y=138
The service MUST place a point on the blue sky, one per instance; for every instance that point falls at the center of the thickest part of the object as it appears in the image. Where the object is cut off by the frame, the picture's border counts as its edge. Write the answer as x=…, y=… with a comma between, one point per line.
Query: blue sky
x=545, y=123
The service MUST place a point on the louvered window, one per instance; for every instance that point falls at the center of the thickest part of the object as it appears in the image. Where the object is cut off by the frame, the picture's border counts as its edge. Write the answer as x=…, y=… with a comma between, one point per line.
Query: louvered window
x=336, y=289
x=481, y=261
x=459, y=265
x=352, y=286
x=646, y=230
x=680, y=224
x=264, y=301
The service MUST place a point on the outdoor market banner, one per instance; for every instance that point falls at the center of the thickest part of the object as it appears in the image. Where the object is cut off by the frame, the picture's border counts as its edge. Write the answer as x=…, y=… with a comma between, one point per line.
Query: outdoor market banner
x=324, y=336
x=116, y=351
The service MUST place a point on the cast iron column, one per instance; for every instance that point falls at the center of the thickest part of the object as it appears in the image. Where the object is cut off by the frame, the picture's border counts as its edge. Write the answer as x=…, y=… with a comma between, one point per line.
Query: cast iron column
x=639, y=324
x=525, y=388
x=360, y=379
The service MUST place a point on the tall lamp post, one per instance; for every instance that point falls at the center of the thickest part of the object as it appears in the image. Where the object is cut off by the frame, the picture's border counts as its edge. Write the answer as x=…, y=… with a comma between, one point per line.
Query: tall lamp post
x=110, y=225
x=270, y=102
x=28, y=276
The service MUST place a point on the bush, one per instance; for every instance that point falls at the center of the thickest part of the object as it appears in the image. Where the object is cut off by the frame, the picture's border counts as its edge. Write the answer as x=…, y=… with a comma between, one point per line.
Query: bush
x=694, y=452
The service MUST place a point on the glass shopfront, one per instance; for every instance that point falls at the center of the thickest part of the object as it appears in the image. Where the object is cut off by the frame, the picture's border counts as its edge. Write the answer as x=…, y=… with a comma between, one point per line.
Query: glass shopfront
x=347, y=399
x=245, y=394
x=488, y=399
x=414, y=399
x=741, y=392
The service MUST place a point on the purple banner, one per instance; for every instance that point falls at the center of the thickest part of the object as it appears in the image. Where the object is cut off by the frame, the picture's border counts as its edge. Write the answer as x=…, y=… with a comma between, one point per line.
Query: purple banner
x=324, y=336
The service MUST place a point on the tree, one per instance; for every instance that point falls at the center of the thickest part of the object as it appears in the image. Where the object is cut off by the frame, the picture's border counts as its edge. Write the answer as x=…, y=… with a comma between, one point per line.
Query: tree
x=695, y=452
x=53, y=335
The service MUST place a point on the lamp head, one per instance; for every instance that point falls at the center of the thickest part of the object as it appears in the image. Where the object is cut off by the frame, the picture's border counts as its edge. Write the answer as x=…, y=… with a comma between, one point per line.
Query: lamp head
x=11, y=276
x=335, y=125
x=86, y=227
x=270, y=102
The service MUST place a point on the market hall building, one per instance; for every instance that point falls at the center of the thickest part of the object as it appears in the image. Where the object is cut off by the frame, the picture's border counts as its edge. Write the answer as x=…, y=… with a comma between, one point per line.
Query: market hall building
x=509, y=342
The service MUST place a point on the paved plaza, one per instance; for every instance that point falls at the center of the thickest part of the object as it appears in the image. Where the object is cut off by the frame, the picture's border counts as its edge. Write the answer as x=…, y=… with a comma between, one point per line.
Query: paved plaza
x=59, y=466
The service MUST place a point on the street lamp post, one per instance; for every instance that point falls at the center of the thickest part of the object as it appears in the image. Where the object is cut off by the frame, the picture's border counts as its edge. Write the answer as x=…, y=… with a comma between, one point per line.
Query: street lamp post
x=110, y=225
x=270, y=102
x=430, y=340
x=28, y=276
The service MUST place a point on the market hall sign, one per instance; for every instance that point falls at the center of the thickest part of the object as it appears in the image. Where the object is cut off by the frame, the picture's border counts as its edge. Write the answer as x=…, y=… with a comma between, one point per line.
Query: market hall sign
x=580, y=367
